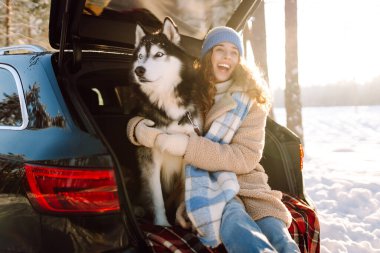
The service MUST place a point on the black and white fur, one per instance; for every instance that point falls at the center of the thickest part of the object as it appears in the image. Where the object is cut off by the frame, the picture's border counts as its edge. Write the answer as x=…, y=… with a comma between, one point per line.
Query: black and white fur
x=165, y=78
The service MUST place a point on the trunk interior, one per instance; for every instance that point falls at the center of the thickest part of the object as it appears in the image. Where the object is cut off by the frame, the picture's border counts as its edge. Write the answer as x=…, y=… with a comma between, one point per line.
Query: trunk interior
x=103, y=88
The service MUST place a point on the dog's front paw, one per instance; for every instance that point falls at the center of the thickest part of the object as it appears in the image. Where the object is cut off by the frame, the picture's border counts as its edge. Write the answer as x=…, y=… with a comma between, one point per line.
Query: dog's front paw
x=174, y=144
x=162, y=222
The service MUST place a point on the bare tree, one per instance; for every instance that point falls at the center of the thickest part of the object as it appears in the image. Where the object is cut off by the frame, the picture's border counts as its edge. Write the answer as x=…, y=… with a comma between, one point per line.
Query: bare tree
x=292, y=90
x=255, y=33
x=7, y=22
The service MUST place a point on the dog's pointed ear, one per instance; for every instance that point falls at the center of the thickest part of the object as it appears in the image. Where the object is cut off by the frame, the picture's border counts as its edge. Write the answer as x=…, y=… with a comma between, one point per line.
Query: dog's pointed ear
x=139, y=34
x=171, y=31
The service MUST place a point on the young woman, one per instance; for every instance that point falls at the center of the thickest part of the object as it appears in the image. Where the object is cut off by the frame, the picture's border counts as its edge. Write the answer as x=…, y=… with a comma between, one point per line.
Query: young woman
x=256, y=220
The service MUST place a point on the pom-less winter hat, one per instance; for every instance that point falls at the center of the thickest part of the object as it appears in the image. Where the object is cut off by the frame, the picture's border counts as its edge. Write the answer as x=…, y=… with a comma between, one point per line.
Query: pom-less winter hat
x=221, y=34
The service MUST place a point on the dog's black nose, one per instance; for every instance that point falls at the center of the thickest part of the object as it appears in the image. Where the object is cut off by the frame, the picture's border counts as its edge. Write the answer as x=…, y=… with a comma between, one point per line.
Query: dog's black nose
x=140, y=71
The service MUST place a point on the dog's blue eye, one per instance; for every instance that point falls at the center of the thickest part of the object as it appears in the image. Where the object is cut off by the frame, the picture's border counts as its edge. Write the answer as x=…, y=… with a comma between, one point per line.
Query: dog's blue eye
x=140, y=56
x=159, y=54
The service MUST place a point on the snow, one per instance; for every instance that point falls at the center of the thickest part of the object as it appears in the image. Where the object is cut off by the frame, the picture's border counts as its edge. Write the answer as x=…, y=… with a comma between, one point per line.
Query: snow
x=341, y=174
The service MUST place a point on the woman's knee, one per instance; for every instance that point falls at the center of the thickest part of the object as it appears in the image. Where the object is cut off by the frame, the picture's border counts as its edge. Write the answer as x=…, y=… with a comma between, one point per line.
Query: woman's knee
x=277, y=233
x=236, y=220
x=240, y=233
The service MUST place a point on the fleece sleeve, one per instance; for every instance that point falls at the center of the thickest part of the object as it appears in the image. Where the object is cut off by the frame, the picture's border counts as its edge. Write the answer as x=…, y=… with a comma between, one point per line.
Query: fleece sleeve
x=132, y=123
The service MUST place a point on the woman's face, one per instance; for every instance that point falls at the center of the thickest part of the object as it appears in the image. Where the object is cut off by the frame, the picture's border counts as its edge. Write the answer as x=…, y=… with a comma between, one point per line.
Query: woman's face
x=225, y=56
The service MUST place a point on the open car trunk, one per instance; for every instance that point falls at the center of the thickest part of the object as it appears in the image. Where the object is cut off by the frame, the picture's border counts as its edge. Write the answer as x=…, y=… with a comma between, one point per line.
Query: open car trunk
x=109, y=26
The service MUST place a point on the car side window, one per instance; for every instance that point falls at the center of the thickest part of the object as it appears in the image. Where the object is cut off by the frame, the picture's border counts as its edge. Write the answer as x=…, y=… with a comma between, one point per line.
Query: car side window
x=12, y=105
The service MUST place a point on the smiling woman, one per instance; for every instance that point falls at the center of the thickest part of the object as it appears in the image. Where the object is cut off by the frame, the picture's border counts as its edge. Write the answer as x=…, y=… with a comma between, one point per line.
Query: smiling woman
x=337, y=41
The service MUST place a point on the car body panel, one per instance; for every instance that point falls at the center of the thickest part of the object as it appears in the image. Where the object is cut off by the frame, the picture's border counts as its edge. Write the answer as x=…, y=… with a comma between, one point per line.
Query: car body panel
x=20, y=229
x=48, y=117
x=51, y=137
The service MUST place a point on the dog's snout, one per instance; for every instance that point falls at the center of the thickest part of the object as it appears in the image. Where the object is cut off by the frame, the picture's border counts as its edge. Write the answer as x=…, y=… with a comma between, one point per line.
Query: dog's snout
x=140, y=71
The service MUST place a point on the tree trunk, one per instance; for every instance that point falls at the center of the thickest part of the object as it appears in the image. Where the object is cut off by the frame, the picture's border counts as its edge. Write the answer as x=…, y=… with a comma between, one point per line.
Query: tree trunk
x=8, y=23
x=256, y=35
x=292, y=90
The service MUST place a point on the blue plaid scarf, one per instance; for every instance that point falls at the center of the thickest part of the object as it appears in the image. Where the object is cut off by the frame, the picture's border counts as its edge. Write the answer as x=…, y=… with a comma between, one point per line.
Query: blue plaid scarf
x=208, y=192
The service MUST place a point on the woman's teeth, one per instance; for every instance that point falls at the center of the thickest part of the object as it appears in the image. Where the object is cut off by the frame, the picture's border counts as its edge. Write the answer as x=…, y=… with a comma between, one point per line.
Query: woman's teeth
x=224, y=65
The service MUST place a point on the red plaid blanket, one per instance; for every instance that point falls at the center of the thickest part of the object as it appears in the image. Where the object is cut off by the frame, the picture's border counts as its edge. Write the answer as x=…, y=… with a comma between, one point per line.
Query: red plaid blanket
x=172, y=239
x=304, y=230
x=305, y=224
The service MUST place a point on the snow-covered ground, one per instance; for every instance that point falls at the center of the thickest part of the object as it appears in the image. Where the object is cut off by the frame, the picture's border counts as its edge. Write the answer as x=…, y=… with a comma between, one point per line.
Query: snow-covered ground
x=342, y=174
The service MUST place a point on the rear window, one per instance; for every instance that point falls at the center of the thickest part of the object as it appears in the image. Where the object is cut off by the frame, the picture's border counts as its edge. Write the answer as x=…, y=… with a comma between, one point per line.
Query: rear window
x=12, y=105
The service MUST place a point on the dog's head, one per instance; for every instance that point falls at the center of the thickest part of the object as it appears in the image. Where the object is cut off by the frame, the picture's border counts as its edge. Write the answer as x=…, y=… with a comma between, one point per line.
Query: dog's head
x=155, y=63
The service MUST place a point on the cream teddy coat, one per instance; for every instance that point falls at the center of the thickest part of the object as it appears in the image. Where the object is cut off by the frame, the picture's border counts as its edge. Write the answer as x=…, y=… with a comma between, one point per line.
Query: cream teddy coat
x=241, y=156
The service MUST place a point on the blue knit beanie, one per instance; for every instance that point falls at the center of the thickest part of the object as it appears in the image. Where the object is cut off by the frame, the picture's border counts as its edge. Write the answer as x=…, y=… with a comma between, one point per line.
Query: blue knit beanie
x=221, y=34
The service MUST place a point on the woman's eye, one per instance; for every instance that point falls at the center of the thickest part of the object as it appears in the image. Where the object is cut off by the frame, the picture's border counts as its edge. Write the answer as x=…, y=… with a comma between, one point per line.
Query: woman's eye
x=159, y=54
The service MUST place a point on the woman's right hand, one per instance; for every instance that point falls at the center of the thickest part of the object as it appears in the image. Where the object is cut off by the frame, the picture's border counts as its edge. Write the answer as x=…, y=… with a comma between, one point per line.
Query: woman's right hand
x=146, y=133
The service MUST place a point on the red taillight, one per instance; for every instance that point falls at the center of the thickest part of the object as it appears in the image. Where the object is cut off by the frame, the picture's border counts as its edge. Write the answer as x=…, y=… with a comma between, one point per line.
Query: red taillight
x=67, y=190
x=301, y=157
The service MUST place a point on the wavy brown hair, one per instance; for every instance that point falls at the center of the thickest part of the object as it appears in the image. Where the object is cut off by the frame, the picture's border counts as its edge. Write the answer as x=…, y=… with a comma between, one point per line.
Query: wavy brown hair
x=251, y=82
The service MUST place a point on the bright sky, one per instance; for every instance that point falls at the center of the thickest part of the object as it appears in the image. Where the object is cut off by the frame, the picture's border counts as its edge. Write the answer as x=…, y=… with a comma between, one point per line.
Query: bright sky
x=337, y=40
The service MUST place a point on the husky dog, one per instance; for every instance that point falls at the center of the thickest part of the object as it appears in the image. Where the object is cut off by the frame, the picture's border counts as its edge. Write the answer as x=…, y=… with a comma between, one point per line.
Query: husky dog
x=165, y=79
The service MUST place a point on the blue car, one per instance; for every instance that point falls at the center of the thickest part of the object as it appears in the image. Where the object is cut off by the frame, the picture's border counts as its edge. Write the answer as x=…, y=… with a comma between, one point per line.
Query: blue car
x=67, y=171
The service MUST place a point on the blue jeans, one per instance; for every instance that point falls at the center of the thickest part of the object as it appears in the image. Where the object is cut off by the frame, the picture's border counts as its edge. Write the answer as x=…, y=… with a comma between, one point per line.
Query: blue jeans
x=240, y=233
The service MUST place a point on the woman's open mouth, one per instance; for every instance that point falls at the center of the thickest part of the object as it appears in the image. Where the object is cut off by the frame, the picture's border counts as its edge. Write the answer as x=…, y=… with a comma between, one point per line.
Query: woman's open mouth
x=224, y=66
